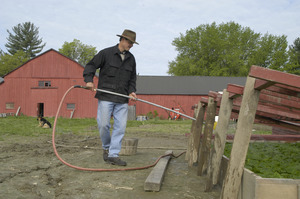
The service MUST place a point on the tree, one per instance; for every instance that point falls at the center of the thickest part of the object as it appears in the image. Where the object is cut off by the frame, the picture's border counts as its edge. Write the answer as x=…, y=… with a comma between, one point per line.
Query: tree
x=271, y=52
x=293, y=65
x=25, y=37
x=10, y=62
x=227, y=49
x=78, y=51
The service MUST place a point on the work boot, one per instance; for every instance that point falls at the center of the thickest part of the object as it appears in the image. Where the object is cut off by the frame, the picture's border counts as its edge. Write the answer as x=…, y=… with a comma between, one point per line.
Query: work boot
x=105, y=154
x=116, y=161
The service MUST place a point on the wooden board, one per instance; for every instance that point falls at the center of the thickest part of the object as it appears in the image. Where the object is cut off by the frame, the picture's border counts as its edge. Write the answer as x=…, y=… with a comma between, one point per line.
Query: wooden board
x=207, y=136
x=155, y=178
x=241, y=141
x=219, y=141
x=196, y=133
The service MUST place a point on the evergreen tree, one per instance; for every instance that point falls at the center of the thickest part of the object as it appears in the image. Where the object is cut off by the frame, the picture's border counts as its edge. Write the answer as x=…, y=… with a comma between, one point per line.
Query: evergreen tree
x=25, y=37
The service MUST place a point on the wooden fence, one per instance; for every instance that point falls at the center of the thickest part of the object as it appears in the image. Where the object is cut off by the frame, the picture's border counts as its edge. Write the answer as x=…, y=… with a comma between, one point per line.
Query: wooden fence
x=269, y=97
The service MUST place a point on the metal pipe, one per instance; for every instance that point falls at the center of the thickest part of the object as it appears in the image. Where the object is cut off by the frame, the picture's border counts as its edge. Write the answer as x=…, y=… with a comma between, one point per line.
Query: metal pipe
x=137, y=99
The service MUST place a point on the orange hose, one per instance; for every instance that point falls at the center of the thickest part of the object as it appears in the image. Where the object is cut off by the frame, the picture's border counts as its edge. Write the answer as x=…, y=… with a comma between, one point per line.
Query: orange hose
x=94, y=169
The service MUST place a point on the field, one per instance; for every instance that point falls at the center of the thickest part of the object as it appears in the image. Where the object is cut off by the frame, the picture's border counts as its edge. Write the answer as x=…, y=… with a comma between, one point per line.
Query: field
x=30, y=169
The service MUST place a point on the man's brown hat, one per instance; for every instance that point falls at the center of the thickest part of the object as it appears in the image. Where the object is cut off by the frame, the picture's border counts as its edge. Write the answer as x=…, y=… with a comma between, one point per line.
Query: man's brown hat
x=130, y=35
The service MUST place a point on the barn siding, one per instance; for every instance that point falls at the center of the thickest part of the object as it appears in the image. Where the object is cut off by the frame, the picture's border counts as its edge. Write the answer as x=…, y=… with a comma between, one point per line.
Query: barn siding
x=184, y=102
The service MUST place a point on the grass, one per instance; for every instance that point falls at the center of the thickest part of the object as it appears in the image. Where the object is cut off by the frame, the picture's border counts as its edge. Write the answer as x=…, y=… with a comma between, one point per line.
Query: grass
x=272, y=160
x=28, y=126
x=258, y=129
x=159, y=126
x=24, y=126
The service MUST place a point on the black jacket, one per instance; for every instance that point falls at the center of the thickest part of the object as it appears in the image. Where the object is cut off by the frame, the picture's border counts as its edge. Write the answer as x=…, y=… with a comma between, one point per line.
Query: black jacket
x=115, y=75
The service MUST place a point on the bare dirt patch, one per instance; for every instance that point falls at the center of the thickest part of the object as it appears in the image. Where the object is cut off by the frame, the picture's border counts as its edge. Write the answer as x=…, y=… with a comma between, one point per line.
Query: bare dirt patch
x=30, y=169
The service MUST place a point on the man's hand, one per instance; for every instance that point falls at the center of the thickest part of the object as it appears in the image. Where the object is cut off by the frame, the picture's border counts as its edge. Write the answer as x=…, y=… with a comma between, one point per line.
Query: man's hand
x=133, y=96
x=90, y=85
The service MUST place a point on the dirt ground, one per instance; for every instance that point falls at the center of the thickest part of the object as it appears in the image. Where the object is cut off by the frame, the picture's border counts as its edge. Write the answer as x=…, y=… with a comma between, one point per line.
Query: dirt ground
x=30, y=169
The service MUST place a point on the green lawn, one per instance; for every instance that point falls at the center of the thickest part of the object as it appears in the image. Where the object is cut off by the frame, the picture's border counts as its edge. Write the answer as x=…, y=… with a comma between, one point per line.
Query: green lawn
x=28, y=126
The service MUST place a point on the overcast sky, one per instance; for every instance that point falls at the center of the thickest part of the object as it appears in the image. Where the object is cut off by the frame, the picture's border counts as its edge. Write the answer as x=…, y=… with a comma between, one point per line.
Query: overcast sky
x=156, y=22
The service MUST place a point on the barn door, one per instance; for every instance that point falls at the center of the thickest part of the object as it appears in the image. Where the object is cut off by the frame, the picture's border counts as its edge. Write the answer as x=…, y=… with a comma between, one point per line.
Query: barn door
x=40, y=109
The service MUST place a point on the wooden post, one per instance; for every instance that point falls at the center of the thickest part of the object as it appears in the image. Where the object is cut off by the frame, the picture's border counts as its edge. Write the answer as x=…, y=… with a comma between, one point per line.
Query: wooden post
x=131, y=113
x=72, y=113
x=220, y=140
x=241, y=141
x=195, y=130
x=18, y=111
x=196, y=134
x=191, y=139
x=129, y=146
x=206, y=140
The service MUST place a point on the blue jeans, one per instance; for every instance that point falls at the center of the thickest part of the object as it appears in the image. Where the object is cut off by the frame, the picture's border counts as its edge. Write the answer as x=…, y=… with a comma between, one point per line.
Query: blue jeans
x=119, y=112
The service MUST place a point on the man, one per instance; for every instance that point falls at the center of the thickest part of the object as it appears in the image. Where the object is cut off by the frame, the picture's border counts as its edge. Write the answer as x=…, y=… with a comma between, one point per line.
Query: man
x=118, y=74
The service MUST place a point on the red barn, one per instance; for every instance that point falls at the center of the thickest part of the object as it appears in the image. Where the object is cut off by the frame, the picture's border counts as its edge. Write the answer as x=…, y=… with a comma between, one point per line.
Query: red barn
x=37, y=87
x=178, y=92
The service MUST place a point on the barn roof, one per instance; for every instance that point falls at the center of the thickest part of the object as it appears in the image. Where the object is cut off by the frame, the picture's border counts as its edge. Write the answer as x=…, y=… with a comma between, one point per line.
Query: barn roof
x=184, y=85
x=51, y=49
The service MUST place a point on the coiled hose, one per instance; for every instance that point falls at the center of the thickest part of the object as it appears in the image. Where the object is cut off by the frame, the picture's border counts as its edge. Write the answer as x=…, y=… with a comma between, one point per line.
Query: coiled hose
x=94, y=169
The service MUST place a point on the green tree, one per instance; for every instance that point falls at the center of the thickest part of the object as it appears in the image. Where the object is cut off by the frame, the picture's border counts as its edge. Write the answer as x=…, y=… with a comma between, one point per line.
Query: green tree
x=25, y=37
x=10, y=62
x=78, y=51
x=293, y=65
x=271, y=52
x=227, y=49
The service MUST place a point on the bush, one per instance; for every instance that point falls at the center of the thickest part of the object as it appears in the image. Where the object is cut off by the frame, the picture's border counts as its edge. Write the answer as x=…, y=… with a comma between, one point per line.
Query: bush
x=149, y=115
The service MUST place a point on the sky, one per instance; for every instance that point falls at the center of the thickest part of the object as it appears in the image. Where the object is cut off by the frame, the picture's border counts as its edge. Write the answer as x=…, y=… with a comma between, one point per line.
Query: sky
x=156, y=22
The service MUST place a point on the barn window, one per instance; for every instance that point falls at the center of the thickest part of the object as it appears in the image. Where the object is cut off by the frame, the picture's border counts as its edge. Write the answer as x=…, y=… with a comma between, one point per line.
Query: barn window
x=44, y=83
x=10, y=105
x=70, y=106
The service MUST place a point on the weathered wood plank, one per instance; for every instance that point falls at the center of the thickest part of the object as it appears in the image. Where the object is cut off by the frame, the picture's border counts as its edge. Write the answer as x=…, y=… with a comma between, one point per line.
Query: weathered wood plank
x=191, y=138
x=241, y=141
x=277, y=112
x=219, y=141
x=207, y=136
x=196, y=135
x=275, y=76
x=155, y=178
